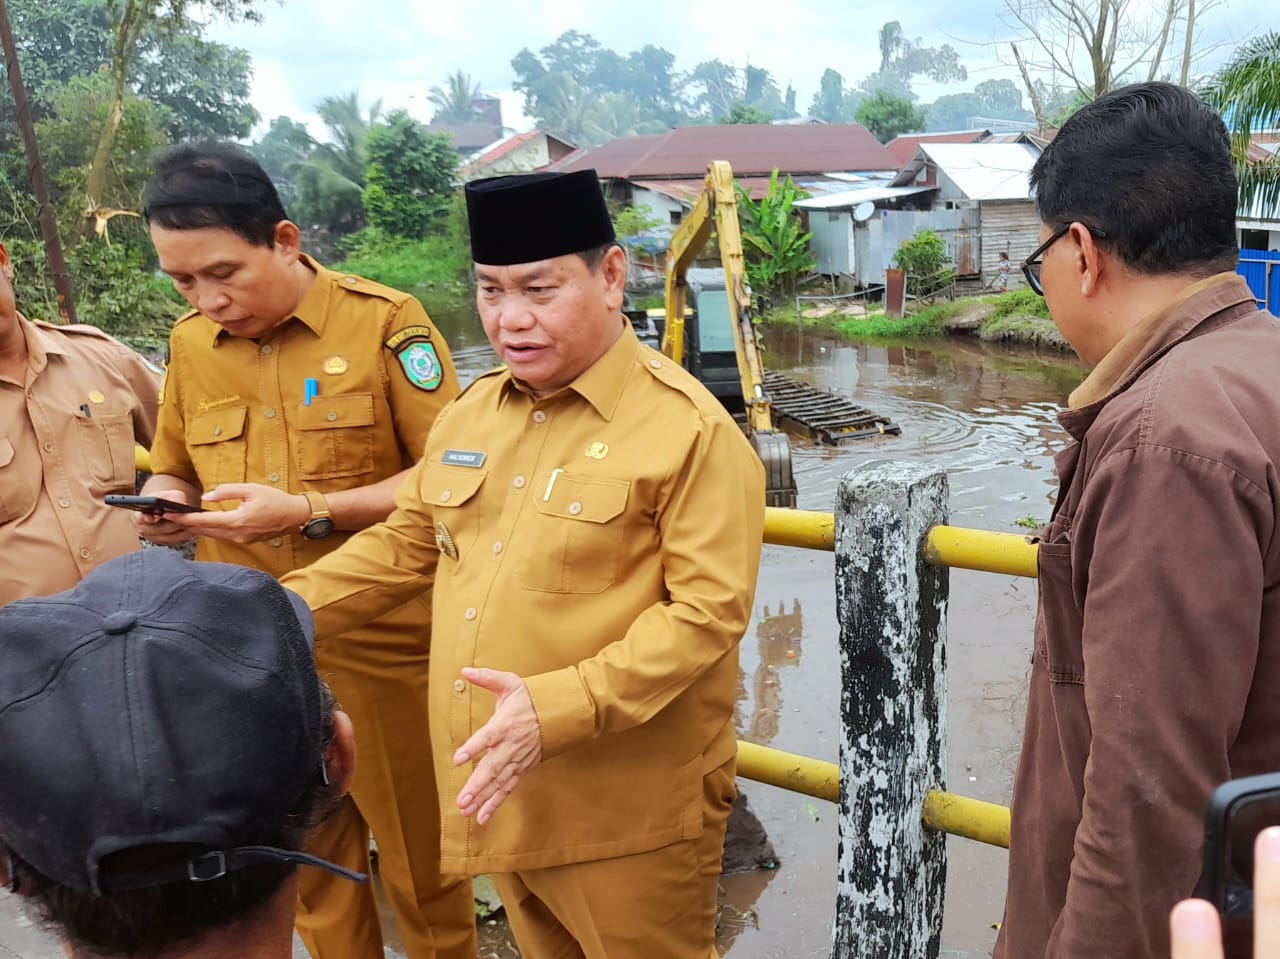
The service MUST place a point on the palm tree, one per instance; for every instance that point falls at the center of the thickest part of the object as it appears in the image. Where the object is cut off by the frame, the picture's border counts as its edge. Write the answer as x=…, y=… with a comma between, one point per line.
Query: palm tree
x=1247, y=93
x=456, y=104
x=331, y=178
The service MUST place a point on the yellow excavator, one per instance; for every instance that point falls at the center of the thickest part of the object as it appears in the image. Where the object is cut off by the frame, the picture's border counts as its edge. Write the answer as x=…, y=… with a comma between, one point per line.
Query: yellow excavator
x=709, y=328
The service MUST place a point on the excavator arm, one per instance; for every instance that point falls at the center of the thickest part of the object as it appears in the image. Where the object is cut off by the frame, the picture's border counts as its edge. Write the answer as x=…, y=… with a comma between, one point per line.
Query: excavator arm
x=717, y=208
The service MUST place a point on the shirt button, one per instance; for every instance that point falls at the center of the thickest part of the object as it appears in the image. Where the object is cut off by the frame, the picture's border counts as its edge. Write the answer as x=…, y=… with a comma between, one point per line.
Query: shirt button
x=539, y=416
x=459, y=685
x=470, y=613
x=85, y=554
x=518, y=482
x=269, y=413
x=656, y=364
x=575, y=508
x=497, y=547
x=217, y=431
x=64, y=503
x=48, y=447
x=444, y=496
x=278, y=541
x=332, y=416
x=266, y=349
x=274, y=477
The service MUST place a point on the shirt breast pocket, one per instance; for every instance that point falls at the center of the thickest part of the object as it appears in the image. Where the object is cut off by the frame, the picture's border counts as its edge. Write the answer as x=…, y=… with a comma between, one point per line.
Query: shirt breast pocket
x=335, y=437
x=577, y=540
x=1059, y=621
x=106, y=440
x=451, y=491
x=217, y=443
x=18, y=490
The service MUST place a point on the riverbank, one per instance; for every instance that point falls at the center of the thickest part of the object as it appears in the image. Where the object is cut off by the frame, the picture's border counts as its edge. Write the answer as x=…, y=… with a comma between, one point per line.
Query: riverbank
x=1016, y=317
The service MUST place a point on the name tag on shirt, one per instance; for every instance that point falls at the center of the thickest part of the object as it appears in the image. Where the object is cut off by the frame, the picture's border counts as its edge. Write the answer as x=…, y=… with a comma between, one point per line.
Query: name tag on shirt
x=463, y=458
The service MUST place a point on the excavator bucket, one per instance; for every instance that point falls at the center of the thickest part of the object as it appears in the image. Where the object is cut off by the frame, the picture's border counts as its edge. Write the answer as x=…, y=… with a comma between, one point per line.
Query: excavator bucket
x=775, y=453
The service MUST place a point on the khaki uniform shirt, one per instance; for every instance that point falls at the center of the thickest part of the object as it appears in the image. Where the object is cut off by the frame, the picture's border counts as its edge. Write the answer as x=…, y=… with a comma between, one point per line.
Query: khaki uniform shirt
x=1157, y=640
x=234, y=410
x=67, y=438
x=603, y=544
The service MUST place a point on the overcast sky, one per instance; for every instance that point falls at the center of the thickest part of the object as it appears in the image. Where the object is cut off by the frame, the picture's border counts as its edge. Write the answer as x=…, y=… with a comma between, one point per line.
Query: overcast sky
x=397, y=50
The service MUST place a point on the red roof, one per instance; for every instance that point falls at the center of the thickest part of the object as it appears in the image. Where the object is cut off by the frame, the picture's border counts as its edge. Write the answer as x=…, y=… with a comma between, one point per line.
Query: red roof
x=903, y=147
x=751, y=149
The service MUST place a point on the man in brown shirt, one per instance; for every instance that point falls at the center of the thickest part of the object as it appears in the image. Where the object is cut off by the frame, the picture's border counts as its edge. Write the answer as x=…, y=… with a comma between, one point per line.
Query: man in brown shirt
x=296, y=398
x=1157, y=642
x=593, y=519
x=73, y=404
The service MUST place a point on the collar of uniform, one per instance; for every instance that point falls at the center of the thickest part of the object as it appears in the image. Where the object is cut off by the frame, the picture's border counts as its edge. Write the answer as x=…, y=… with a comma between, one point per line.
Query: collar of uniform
x=40, y=343
x=312, y=308
x=601, y=384
x=1184, y=316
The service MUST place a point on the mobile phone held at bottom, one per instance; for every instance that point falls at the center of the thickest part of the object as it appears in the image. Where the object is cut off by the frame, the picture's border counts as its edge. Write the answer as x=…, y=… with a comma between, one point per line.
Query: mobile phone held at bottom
x=149, y=504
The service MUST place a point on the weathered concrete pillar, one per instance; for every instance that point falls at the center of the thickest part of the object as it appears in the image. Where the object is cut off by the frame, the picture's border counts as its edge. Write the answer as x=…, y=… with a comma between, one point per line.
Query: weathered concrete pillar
x=892, y=610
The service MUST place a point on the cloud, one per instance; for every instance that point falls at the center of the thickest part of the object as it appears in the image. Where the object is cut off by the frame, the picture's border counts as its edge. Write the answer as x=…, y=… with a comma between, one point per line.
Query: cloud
x=396, y=50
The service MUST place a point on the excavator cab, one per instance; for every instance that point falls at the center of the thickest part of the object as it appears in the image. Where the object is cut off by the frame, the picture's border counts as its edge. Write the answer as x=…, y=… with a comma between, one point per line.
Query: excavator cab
x=709, y=329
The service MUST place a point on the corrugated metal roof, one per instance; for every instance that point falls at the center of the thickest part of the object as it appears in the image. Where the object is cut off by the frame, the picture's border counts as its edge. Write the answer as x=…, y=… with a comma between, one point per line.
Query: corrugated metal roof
x=903, y=147
x=686, y=190
x=751, y=149
x=982, y=171
x=848, y=199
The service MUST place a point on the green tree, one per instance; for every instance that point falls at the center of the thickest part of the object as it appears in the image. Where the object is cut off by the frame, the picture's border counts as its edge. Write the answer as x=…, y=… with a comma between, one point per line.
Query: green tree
x=410, y=178
x=886, y=116
x=130, y=21
x=281, y=150
x=741, y=113
x=1246, y=91
x=455, y=102
x=902, y=59
x=331, y=178
x=924, y=257
x=829, y=102
x=776, y=250
x=619, y=115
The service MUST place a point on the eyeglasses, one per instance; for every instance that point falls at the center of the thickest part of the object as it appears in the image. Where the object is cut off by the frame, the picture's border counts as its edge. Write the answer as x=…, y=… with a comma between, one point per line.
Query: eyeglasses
x=1031, y=265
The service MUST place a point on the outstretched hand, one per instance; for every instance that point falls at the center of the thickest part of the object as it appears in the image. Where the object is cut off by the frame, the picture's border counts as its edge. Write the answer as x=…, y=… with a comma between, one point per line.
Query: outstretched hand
x=507, y=746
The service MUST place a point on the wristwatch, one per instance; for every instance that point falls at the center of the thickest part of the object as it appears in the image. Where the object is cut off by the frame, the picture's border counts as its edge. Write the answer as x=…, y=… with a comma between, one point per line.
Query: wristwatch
x=321, y=523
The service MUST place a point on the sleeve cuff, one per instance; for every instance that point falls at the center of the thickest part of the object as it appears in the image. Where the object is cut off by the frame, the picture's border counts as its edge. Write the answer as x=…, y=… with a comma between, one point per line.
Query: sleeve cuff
x=566, y=716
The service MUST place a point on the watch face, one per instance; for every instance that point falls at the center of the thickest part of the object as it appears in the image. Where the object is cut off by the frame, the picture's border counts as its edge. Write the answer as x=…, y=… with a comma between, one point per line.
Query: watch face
x=318, y=528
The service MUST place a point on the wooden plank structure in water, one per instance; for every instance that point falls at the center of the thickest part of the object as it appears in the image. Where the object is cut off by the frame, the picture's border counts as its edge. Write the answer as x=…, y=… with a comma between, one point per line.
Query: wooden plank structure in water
x=822, y=416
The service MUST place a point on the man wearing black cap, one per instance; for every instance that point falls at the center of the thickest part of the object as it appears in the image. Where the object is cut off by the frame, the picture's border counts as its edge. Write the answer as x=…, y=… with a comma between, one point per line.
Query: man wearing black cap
x=167, y=748
x=295, y=401
x=593, y=518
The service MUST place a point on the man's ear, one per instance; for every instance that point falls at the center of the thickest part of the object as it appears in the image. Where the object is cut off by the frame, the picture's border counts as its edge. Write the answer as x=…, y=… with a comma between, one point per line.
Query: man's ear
x=288, y=239
x=5, y=265
x=613, y=271
x=340, y=755
x=1090, y=262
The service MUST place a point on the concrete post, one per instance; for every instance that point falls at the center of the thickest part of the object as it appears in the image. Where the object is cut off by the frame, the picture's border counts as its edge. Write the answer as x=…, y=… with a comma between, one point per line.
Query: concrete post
x=891, y=605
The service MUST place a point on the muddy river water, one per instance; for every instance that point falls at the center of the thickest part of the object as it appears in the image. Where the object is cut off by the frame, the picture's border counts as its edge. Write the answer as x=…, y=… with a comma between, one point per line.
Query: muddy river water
x=987, y=414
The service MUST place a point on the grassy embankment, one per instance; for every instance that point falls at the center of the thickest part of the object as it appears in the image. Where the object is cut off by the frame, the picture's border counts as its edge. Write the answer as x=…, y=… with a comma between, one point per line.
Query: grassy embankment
x=1019, y=316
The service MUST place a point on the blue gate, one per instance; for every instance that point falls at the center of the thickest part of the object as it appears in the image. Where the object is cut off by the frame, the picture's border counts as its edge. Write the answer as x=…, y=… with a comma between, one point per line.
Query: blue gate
x=1261, y=271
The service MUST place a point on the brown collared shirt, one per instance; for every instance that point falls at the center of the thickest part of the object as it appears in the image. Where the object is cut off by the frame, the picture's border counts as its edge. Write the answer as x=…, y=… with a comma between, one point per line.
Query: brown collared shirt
x=67, y=437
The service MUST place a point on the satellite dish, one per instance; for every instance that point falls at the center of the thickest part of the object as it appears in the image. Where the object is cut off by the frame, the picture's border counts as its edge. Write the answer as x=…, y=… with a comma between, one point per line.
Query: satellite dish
x=864, y=211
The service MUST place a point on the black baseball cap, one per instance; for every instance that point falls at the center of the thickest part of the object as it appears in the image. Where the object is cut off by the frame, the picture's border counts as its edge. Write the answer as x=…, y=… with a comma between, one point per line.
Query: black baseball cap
x=536, y=216
x=159, y=703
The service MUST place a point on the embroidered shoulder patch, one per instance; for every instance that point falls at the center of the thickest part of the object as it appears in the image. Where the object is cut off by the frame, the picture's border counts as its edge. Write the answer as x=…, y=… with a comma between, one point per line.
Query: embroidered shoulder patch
x=420, y=364
x=400, y=337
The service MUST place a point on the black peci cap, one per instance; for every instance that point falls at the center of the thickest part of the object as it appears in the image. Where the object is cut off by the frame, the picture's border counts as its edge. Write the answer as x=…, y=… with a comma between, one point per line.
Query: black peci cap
x=160, y=702
x=536, y=216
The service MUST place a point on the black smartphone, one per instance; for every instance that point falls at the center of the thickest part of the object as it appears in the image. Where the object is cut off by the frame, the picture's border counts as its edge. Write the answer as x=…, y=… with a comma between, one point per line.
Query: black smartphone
x=1238, y=810
x=150, y=504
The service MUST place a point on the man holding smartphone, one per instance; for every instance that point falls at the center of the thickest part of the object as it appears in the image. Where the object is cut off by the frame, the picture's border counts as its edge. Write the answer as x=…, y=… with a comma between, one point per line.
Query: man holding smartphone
x=73, y=403
x=296, y=398
x=1157, y=642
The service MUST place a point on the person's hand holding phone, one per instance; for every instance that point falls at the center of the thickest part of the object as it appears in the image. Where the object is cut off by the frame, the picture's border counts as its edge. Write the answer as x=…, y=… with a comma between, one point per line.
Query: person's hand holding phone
x=1196, y=929
x=161, y=528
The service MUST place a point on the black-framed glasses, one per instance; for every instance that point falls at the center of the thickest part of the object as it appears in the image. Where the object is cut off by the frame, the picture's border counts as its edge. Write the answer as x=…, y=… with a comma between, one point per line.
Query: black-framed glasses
x=1031, y=265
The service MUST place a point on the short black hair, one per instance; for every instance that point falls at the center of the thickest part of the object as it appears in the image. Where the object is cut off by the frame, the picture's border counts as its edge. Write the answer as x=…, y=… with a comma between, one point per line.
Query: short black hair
x=213, y=184
x=153, y=920
x=1149, y=165
x=595, y=256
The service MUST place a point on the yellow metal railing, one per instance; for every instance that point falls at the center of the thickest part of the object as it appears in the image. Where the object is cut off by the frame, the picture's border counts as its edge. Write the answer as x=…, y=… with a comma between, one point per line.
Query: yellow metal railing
x=942, y=812
x=954, y=546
